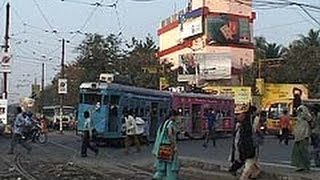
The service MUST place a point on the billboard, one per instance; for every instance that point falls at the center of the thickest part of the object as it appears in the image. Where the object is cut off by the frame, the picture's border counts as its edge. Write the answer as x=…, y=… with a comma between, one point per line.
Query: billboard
x=224, y=29
x=191, y=27
x=240, y=94
x=204, y=66
x=282, y=92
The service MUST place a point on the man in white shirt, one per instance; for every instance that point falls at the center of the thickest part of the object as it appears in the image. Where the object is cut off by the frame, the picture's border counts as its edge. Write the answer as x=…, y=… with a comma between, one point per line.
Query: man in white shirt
x=87, y=136
x=131, y=131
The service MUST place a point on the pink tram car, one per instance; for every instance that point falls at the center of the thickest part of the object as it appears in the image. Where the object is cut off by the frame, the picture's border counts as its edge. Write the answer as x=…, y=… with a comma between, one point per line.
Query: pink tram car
x=193, y=108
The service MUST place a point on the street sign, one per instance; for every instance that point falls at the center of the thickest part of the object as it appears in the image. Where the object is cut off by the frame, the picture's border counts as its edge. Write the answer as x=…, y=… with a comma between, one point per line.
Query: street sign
x=5, y=60
x=62, y=86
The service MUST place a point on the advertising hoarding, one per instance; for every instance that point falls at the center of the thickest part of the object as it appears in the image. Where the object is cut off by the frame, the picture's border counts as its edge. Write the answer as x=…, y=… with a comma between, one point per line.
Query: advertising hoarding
x=191, y=27
x=282, y=92
x=204, y=66
x=240, y=94
x=224, y=29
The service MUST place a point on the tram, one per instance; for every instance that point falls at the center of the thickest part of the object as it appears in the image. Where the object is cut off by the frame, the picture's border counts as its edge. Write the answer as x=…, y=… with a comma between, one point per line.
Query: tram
x=108, y=101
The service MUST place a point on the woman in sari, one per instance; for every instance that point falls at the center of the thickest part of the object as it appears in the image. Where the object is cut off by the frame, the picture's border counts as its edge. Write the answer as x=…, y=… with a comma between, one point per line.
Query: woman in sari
x=166, y=135
x=301, y=132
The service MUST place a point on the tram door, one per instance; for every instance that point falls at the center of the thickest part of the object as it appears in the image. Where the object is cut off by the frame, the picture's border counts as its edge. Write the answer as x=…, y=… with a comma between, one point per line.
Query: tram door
x=113, y=113
x=196, y=118
x=154, y=117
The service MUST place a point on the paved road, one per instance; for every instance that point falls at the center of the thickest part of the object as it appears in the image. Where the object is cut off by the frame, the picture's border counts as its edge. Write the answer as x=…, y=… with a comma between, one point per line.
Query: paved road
x=65, y=148
x=271, y=152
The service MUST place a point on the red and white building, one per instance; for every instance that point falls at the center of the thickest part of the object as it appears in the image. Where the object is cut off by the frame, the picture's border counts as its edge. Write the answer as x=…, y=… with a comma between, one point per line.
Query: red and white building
x=210, y=40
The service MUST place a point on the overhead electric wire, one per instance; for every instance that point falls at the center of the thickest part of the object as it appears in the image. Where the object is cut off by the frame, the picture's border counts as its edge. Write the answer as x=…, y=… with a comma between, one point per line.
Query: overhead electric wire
x=96, y=4
x=313, y=18
x=85, y=22
x=45, y=18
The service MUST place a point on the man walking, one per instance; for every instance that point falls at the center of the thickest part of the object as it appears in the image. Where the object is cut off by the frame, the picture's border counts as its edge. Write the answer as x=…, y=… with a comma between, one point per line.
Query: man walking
x=87, y=136
x=19, y=125
x=211, y=116
x=131, y=132
x=284, y=125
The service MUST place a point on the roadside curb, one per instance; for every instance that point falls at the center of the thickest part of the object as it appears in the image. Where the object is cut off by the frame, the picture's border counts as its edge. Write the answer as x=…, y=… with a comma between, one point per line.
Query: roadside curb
x=268, y=173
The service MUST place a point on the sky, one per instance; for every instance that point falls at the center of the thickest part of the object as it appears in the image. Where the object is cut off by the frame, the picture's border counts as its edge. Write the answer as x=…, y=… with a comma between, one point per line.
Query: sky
x=33, y=22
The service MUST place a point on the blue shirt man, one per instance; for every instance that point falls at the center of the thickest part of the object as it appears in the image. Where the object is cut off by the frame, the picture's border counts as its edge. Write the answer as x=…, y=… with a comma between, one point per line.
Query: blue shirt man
x=211, y=117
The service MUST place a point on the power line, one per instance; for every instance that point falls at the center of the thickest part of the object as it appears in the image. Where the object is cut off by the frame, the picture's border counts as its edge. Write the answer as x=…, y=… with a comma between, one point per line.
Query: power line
x=45, y=18
x=86, y=22
x=96, y=4
x=313, y=18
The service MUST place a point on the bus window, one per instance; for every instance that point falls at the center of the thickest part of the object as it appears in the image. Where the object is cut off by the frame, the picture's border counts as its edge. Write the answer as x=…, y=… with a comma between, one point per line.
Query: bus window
x=91, y=98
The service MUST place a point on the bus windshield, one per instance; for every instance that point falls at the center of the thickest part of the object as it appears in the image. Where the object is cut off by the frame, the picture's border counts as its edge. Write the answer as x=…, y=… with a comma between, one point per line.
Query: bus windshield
x=276, y=110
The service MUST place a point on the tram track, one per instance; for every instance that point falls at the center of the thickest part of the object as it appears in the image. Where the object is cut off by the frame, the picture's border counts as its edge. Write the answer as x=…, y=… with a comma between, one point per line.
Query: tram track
x=114, y=167
x=21, y=170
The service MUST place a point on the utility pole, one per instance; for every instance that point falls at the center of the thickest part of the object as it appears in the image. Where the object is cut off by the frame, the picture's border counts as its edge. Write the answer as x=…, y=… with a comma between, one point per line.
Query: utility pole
x=6, y=50
x=42, y=88
x=62, y=76
x=241, y=76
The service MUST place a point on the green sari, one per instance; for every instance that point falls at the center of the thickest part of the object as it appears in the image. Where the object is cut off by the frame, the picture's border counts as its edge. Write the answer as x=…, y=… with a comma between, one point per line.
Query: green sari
x=300, y=153
x=165, y=170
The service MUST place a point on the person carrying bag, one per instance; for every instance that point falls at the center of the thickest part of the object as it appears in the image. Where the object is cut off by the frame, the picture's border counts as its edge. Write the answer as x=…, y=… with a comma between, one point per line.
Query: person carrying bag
x=165, y=150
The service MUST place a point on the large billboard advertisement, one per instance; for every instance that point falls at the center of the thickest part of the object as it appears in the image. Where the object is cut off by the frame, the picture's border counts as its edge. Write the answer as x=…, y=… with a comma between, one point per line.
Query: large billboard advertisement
x=240, y=94
x=282, y=92
x=224, y=29
x=204, y=66
x=191, y=27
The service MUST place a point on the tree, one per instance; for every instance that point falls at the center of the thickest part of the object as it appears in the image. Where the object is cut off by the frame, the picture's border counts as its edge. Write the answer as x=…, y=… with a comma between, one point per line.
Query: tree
x=312, y=40
x=143, y=65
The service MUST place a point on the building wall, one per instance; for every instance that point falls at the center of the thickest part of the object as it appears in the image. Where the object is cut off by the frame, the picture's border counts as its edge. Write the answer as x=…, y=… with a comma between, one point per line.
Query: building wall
x=224, y=6
x=242, y=54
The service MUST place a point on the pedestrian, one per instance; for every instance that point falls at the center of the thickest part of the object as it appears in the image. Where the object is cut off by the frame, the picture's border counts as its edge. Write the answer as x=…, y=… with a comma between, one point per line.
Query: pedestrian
x=211, y=119
x=284, y=127
x=243, y=150
x=88, y=137
x=44, y=124
x=140, y=127
x=165, y=149
x=131, y=131
x=301, y=132
x=19, y=125
x=315, y=138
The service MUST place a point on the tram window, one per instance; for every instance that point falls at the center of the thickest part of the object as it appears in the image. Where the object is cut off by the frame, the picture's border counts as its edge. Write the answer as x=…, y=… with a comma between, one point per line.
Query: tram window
x=186, y=111
x=91, y=98
x=141, y=112
x=114, y=99
x=106, y=100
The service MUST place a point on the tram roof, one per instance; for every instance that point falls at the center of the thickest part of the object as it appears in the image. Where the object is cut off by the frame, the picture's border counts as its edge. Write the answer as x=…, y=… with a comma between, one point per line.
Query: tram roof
x=197, y=95
x=113, y=86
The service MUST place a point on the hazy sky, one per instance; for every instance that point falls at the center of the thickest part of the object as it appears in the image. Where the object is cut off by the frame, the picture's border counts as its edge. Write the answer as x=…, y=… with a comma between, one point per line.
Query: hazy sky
x=31, y=44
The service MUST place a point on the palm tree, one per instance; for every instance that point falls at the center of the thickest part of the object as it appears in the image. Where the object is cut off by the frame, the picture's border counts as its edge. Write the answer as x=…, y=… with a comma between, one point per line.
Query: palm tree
x=274, y=50
x=312, y=39
x=260, y=47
